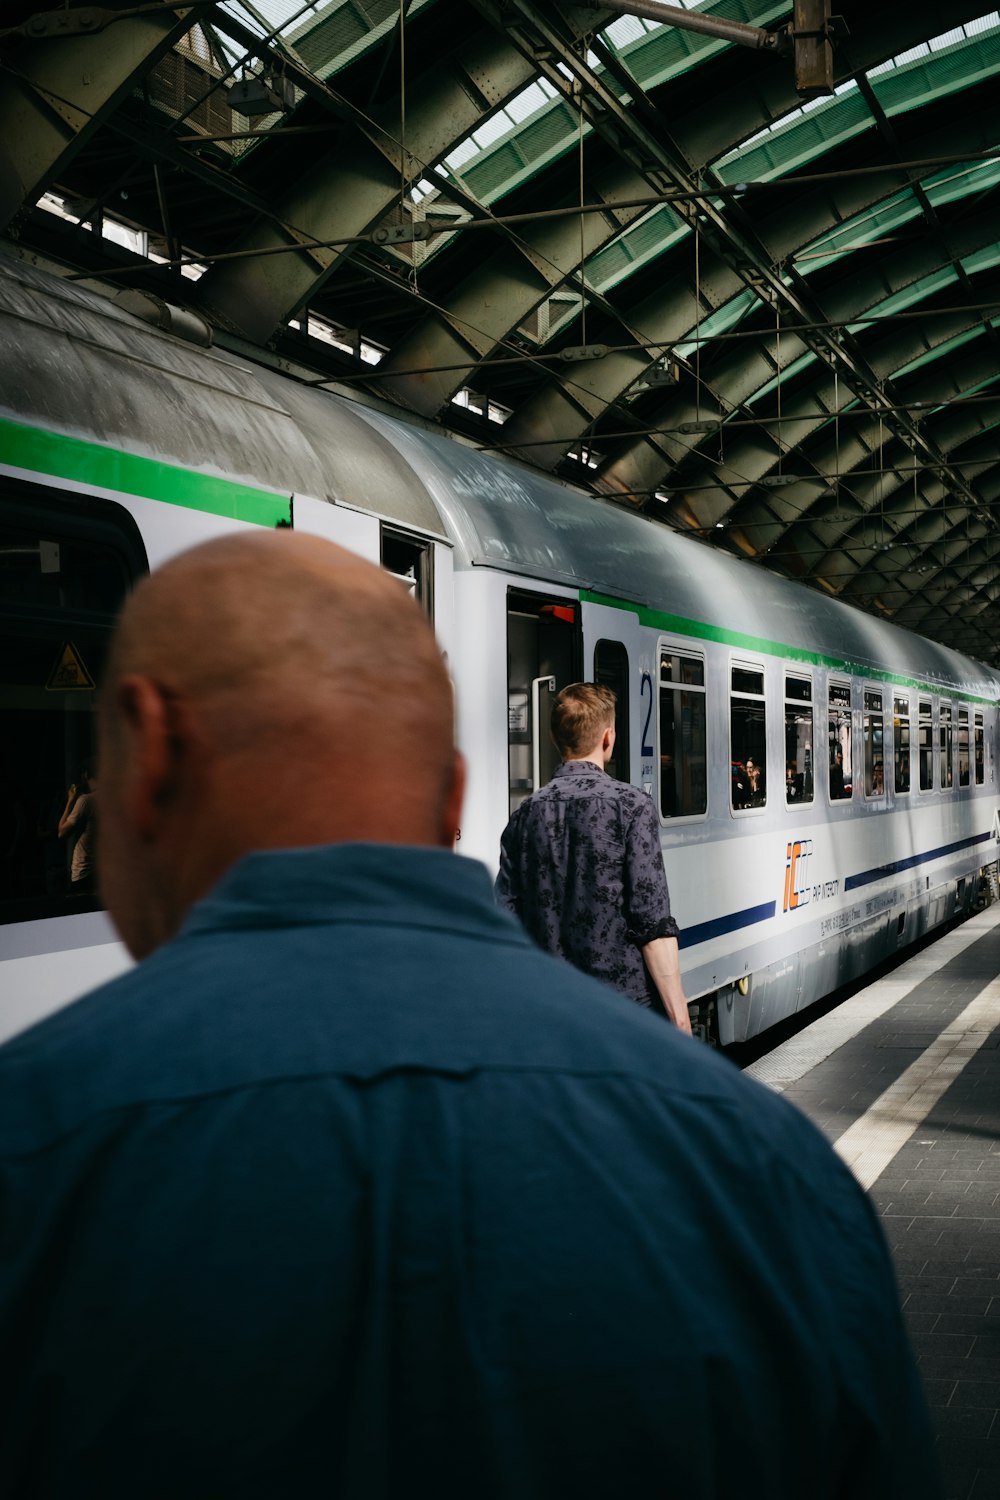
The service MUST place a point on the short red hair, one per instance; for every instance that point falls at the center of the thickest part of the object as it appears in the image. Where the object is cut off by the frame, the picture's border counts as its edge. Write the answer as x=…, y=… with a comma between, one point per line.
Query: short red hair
x=580, y=715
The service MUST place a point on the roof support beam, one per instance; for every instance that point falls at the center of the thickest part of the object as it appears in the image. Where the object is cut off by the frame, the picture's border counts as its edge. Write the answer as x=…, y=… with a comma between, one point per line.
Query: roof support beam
x=499, y=295
x=350, y=194
x=727, y=238
x=58, y=92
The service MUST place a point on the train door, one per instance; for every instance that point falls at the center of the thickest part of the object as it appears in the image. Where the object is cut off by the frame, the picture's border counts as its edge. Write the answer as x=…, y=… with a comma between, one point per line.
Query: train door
x=543, y=655
x=613, y=656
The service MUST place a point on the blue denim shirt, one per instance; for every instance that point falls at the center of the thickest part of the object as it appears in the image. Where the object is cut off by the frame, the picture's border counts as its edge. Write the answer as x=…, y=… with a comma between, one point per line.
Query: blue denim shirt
x=348, y=1190
x=580, y=864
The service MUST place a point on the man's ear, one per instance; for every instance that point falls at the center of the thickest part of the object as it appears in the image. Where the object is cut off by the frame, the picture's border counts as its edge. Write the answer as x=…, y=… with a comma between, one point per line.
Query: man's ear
x=148, y=716
x=452, y=810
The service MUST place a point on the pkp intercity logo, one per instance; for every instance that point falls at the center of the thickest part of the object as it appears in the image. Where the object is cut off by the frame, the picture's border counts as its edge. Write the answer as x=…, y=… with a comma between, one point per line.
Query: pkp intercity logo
x=798, y=888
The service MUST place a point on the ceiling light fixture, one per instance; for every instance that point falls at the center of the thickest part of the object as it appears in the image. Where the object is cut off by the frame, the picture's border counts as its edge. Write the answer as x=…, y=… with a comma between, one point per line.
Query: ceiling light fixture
x=261, y=94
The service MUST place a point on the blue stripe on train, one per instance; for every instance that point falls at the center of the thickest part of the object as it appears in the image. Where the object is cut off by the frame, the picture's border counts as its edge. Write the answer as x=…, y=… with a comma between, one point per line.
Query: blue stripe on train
x=896, y=866
x=702, y=931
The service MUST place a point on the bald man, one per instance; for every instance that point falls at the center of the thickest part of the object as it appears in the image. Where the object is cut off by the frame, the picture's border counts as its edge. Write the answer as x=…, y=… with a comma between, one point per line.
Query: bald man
x=349, y=1190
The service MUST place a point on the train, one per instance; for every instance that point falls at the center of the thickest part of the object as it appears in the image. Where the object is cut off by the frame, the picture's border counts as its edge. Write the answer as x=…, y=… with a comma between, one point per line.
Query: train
x=825, y=781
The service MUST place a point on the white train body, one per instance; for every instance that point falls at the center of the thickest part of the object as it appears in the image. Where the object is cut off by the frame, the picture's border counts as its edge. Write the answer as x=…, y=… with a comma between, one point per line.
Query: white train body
x=117, y=436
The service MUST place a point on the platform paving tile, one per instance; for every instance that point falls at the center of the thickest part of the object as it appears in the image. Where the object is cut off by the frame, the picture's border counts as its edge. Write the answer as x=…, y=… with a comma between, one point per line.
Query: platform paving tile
x=939, y=1202
x=951, y=1302
x=967, y=1321
x=960, y=1393
x=966, y=1422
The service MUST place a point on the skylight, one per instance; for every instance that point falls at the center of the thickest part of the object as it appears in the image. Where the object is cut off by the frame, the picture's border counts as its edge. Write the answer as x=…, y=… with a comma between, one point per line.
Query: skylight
x=953, y=37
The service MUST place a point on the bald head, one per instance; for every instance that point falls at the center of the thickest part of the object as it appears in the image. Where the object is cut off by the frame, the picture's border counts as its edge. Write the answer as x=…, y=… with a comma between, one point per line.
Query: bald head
x=267, y=690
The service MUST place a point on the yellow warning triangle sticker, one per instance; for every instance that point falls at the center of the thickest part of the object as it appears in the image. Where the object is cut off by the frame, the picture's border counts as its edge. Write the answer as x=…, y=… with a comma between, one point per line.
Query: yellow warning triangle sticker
x=69, y=675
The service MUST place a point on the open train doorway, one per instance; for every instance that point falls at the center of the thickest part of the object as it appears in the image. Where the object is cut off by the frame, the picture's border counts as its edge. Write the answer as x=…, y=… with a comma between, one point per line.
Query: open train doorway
x=543, y=656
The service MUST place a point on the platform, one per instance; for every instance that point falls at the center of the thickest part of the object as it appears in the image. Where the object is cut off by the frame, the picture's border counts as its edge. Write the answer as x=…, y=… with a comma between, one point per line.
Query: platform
x=904, y=1079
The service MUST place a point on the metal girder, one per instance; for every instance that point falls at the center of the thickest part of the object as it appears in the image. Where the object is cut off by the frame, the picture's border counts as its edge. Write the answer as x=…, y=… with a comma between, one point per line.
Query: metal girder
x=160, y=145
x=736, y=245
x=667, y=317
x=735, y=379
x=58, y=92
x=351, y=194
x=707, y=132
x=942, y=537
x=500, y=294
x=764, y=521
x=897, y=499
x=800, y=219
x=498, y=297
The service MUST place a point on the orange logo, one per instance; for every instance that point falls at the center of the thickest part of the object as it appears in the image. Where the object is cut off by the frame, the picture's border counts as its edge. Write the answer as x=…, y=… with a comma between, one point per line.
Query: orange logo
x=797, y=886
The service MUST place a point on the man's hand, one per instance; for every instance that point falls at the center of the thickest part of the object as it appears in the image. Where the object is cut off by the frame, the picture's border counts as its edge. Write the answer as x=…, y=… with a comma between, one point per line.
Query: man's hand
x=662, y=959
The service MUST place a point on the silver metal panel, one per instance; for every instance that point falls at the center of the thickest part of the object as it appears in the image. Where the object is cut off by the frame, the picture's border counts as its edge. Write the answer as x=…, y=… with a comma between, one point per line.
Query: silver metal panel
x=79, y=363
x=75, y=362
x=357, y=463
x=504, y=516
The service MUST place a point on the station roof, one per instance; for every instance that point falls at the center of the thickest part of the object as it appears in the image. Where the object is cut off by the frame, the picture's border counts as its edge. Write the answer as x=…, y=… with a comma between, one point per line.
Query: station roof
x=626, y=253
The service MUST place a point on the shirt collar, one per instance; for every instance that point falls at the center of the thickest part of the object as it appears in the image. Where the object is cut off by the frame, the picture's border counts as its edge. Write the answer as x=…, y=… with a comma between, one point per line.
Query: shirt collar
x=579, y=768
x=375, y=884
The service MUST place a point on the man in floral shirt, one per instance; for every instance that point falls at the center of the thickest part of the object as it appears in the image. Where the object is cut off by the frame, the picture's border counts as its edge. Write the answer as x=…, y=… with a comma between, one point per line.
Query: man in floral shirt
x=580, y=864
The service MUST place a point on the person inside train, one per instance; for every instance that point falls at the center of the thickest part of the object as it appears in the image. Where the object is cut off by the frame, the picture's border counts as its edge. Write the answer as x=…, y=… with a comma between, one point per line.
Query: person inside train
x=756, y=795
x=793, y=783
x=347, y=1188
x=838, y=787
x=747, y=783
x=78, y=822
x=668, y=786
x=902, y=776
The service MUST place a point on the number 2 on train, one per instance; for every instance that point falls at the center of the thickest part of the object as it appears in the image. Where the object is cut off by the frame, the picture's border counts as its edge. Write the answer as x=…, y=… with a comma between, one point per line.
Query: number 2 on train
x=647, y=682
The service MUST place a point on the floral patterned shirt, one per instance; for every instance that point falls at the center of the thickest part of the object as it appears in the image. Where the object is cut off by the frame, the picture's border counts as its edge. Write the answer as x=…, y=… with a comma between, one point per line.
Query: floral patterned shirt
x=581, y=866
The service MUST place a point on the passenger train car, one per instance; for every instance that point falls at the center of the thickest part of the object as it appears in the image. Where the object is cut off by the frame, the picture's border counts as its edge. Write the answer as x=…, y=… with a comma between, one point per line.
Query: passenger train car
x=825, y=783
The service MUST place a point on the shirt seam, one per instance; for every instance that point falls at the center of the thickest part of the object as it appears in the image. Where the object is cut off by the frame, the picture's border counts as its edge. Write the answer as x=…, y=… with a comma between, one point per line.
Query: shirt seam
x=264, y=922
x=166, y=1101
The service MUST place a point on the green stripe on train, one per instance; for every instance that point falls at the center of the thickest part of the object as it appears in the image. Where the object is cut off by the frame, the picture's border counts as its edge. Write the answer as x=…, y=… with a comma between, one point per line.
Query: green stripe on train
x=657, y=619
x=83, y=462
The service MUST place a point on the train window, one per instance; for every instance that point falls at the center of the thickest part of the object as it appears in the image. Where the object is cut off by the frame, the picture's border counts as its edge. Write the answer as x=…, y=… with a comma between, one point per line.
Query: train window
x=683, y=753
x=925, y=745
x=747, y=738
x=611, y=670
x=963, y=747
x=945, y=740
x=798, y=740
x=872, y=734
x=978, y=747
x=901, y=743
x=411, y=560
x=839, y=760
x=64, y=573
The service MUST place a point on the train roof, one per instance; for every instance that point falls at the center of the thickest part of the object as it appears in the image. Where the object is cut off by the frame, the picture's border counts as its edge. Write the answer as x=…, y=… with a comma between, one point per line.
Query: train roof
x=503, y=516
x=79, y=363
